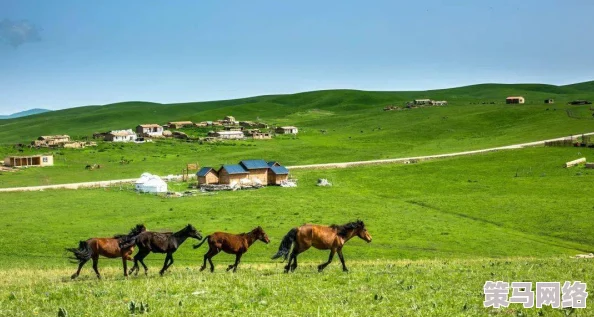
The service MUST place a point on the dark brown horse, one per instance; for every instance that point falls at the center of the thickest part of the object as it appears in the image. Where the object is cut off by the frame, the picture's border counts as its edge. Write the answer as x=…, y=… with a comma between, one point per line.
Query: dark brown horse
x=107, y=247
x=157, y=242
x=330, y=238
x=237, y=244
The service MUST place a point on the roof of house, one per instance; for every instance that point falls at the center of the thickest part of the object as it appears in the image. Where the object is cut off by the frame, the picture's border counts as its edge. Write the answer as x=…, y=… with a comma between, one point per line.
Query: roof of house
x=150, y=125
x=29, y=156
x=288, y=127
x=273, y=163
x=122, y=132
x=514, y=97
x=203, y=171
x=422, y=99
x=234, y=169
x=279, y=170
x=254, y=164
x=50, y=137
x=181, y=122
x=229, y=132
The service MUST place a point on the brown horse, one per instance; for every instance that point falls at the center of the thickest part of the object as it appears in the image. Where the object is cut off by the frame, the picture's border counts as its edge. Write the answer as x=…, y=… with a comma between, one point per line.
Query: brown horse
x=107, y=247
x=160, y=242
x=322, y=238
x=237, y=244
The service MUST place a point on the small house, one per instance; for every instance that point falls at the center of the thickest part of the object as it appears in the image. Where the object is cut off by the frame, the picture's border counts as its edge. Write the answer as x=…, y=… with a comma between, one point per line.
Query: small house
x=548, y=101
x=226, y=135
x=121, y=136
x=232, y=174
x=420, y=102
x=514, y=100
x=286, y=130
x=256, y=134
x=439, y=103
x=149, y=130
x=207, y=175
x=179, y=124
x=277, y=174
x=31, y=160
x=51, y=140
x=258, y=170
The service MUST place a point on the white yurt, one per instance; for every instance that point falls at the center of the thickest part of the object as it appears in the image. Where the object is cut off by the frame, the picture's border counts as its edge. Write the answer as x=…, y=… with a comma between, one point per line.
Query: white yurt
x=148, y=183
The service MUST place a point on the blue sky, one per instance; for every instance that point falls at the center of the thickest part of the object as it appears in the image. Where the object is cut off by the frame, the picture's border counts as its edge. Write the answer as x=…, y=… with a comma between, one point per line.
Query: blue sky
x=99, y=52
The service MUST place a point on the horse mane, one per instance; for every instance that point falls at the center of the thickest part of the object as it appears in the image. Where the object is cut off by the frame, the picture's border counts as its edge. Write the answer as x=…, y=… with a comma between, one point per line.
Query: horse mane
x=343, y=230
x=123, y=238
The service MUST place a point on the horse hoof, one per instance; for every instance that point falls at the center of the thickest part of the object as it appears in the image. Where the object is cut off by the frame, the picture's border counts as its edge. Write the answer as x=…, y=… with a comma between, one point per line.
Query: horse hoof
x=73, y=276
x=202, y=268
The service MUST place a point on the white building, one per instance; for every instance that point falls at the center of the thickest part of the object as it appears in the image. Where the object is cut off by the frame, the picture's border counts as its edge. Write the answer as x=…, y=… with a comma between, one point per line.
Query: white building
x=121, y=136
x=227, y=134
x=150, y=130
x=149, y=183
x=286, y=130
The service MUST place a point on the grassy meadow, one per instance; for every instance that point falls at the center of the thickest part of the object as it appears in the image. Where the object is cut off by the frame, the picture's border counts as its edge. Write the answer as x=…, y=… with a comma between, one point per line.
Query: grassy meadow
x=440, y=230
x=356, y=128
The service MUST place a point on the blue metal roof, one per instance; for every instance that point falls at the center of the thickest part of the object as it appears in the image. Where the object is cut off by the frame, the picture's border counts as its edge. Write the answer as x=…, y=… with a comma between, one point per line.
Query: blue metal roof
x=234, y=169
x=203, y=171
x=279, y=170
x=254, y=164
x=272, y=163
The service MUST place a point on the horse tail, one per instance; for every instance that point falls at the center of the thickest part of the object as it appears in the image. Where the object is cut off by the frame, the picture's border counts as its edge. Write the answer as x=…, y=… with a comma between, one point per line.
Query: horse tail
x=196, y=246
x=81, y=254
x=286, y=243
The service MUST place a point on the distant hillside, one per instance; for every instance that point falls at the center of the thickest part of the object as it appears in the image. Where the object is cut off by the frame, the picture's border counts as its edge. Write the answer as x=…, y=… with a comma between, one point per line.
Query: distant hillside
x=24, y=113
x=349, y=105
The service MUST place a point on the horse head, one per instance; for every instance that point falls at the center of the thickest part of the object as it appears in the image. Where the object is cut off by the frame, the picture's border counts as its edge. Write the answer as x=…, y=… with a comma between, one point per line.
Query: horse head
x=261, y=235
x=192, y=232
x=362, y=231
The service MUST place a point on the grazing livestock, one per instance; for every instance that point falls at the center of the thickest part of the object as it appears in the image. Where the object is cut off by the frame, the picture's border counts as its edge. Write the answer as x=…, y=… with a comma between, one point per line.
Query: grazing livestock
x=320, y=237
x=158, y=242
x=107, y=247
x=237, y=244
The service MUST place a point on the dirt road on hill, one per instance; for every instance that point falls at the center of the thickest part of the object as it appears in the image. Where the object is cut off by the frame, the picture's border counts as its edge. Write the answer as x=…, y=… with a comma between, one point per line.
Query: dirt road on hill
x=404, y=160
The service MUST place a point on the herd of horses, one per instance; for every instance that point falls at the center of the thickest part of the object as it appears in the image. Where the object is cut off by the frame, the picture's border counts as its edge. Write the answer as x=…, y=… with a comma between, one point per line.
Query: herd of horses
x=296, y=241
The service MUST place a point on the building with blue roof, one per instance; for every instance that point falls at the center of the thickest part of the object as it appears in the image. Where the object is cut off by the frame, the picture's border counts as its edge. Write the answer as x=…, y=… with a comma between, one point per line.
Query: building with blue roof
x=229, y=174
x=258, y=171
x=207, y=175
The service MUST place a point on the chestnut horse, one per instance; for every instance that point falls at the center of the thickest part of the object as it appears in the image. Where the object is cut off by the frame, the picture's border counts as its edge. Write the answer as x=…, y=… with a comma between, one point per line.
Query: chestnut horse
x=160, y=242
x=107, y=247
x=237, y=244
x=330, y=238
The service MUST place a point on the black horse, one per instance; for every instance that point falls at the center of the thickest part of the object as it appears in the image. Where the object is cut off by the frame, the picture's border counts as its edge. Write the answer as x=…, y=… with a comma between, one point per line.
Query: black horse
x=158, y=242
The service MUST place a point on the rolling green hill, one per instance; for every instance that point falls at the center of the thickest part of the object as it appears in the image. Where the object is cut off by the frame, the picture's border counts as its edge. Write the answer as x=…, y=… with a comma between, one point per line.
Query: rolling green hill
x=89, y=119
x=355, y=125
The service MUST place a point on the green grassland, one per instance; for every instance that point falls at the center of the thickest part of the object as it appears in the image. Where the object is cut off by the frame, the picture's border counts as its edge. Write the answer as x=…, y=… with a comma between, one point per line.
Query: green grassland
x=356, y=127
x=440, y=230
x=372, y=288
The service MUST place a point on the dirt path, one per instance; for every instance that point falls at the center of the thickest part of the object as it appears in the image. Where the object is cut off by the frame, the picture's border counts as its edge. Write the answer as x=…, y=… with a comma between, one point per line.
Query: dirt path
x=403, y=160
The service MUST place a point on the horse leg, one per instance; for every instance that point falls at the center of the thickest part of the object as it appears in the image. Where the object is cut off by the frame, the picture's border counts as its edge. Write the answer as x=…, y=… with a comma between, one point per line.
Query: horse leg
x=139, y=257
x=95, y=262
x=237, y=259
x=143, y=265
x=294, y=265
x=322, y=266
x=125, y=262
x=80, y=265
x=166, y=264
x=212, y=254
x=288, y=266
x=344, y=268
